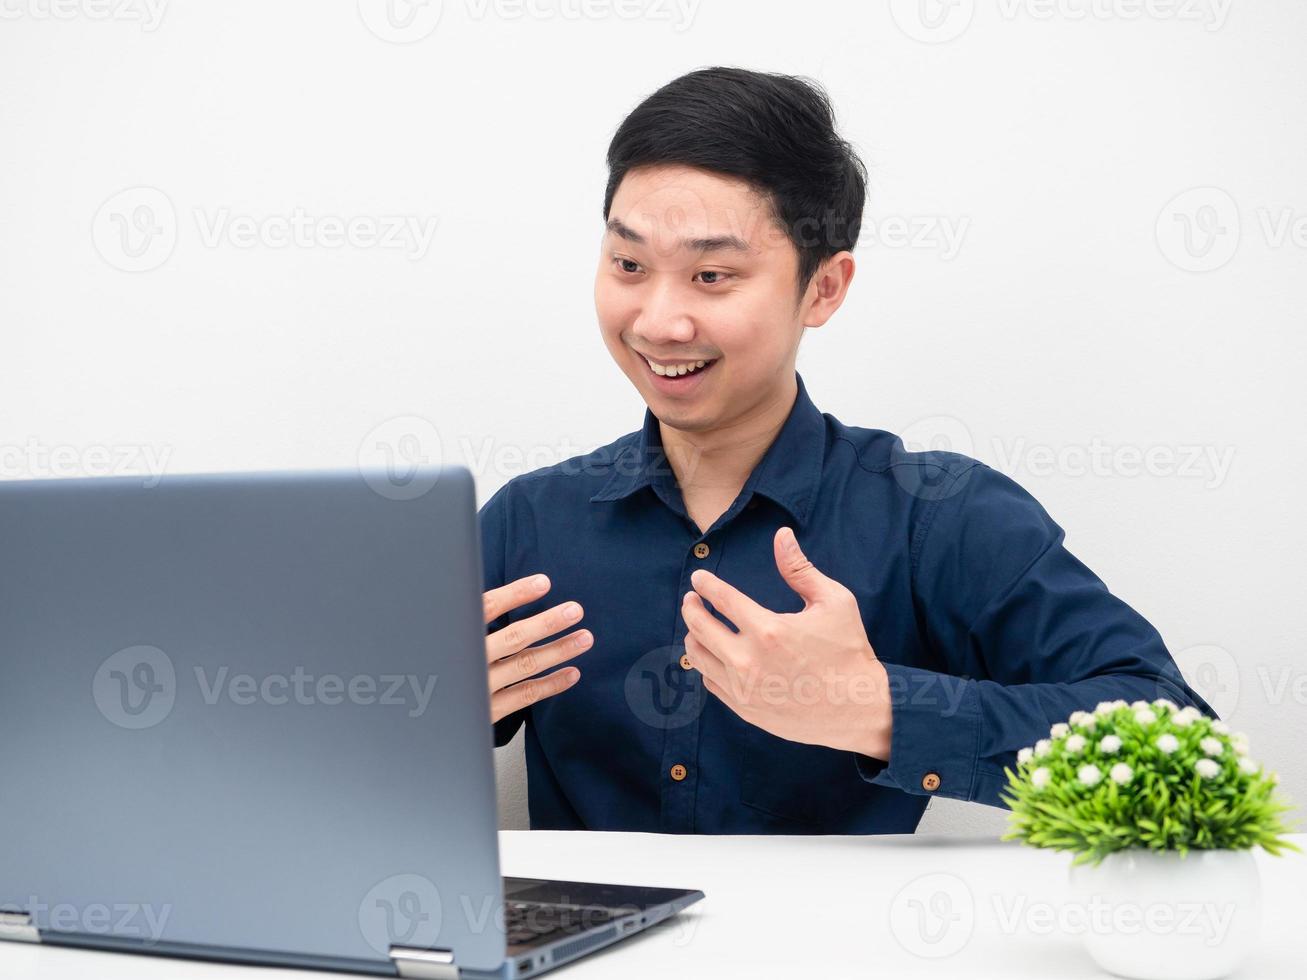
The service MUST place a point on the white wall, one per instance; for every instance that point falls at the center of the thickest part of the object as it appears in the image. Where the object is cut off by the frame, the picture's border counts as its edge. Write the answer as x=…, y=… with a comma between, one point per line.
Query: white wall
x=1053, y=138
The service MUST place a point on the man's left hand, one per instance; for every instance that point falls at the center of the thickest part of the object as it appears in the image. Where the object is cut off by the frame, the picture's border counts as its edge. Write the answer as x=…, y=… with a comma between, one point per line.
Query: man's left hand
x=810, y=676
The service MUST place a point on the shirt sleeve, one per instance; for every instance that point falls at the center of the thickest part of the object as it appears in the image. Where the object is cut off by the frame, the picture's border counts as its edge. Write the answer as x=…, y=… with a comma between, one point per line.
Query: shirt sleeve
x=493, y=521
x=1025, y=634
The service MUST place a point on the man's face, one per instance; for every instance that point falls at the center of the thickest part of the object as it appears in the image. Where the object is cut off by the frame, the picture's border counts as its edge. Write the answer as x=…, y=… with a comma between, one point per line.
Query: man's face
x=693, y=267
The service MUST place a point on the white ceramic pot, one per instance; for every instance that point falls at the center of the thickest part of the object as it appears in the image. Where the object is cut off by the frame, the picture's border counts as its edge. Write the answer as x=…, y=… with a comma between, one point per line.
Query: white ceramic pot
x=1155, y=915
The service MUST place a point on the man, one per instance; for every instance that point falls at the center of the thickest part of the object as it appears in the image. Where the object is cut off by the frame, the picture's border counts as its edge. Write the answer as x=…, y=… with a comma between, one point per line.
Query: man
x=781, y=624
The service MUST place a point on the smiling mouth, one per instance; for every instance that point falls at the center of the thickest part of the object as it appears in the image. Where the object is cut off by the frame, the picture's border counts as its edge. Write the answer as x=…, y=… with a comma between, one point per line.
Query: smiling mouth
x=673, y=371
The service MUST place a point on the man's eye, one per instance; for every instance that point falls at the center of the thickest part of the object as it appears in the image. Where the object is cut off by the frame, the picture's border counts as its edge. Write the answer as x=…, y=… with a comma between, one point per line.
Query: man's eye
x=626, y=264
x=717, y=277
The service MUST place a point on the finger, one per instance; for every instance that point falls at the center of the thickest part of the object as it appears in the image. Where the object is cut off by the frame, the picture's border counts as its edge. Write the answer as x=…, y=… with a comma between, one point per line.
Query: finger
x=727, y=599
x=799, y=573
x=703, y=660
x=517, y=635
x=533, y=660
x=707, y=628
x=504, y=703
x=516, y=593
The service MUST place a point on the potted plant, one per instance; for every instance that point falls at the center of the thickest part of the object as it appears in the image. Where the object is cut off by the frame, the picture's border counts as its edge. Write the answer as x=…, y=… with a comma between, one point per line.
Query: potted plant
x=1161, y=806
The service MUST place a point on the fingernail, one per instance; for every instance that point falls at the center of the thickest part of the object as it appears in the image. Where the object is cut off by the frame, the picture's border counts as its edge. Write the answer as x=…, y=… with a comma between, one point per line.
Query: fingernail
x=788, y=541
x=539, y=582
x=572, y=610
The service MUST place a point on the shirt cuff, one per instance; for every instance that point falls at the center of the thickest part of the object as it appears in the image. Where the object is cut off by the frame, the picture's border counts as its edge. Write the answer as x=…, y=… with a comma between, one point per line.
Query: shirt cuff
x=935, y=737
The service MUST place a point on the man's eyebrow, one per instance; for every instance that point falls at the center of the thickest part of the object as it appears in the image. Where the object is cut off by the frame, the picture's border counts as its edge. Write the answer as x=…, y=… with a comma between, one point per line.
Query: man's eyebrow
x=716, y=243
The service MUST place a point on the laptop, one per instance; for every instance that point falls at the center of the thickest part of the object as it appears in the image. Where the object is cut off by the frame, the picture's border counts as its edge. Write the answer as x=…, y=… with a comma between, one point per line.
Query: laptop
x=245, y=717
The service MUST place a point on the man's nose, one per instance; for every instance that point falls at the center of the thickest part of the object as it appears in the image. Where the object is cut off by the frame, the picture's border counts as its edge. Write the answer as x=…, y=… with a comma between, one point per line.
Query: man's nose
x=664, y=318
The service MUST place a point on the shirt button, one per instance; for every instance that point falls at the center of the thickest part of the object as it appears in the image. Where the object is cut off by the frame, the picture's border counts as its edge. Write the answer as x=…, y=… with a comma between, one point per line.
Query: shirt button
x=678, y=772
x=685, y=661
x=930, y=782
x=700, y=550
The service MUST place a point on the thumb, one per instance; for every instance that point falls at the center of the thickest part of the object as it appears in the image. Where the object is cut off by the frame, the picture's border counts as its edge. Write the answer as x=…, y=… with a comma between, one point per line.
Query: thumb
x=800, y=574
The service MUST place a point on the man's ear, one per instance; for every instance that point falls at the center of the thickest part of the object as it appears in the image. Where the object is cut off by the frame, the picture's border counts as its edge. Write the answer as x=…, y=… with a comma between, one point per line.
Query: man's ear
x=829, y=286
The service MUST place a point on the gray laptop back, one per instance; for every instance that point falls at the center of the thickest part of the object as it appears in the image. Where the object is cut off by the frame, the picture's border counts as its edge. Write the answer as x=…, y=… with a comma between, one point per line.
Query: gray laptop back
x=248, y=715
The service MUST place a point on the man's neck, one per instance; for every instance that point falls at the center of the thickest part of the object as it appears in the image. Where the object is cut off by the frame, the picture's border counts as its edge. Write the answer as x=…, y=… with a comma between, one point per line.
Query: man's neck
x=718, y=463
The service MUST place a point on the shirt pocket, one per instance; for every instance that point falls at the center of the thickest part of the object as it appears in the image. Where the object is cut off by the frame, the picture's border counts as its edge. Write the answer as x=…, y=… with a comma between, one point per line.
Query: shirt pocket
x=808, y=784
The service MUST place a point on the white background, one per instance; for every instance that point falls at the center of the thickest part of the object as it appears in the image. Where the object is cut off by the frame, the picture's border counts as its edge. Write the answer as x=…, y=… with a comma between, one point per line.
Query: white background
x=1045, y=302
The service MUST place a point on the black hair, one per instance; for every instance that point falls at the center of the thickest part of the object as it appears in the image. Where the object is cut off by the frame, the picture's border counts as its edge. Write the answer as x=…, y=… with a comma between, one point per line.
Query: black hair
x=777, y=132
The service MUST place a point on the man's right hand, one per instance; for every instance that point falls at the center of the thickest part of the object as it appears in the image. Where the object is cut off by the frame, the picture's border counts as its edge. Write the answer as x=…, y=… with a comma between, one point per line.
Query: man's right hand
x=513, y=664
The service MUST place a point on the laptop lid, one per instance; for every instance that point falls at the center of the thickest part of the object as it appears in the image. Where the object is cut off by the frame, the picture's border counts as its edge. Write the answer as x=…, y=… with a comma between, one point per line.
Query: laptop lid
x=247, y=716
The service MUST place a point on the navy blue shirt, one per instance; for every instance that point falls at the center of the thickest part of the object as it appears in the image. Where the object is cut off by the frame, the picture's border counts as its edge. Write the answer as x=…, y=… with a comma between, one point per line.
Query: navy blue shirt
x=989, y=628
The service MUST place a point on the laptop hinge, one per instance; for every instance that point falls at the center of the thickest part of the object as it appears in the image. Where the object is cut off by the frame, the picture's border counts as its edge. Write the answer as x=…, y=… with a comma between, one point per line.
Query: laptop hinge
x=16, y=927
x=424, y=964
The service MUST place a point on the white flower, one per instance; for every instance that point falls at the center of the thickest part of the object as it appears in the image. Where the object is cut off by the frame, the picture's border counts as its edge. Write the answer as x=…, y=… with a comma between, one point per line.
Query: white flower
x=1121, y=773
x=1138, y=705
x=1060, y=729
x=1083, y=719
x=1240, y=742
x=1207, y=768
x=1110, y=744
x=1075, y=744
x=1145, y=717
x=1043, y=747
x=1181, y=720
x=1247, y=765
x=1025, y=755
x=1089, y=775
x=1164, y=703
x=1104, y=707
x=1221, y=728
x=1211, y=745
x=1040, y=777
x=1168, y=743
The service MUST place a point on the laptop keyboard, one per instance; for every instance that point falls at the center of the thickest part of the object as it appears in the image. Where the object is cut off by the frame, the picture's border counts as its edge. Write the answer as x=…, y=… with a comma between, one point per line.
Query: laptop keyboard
x=531, y=921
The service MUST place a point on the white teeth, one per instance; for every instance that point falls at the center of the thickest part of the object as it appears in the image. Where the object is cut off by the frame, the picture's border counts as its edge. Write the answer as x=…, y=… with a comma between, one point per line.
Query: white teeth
x=675, y=371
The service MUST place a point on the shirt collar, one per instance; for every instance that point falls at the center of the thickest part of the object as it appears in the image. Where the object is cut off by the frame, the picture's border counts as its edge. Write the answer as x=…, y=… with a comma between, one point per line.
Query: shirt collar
x=788, y=473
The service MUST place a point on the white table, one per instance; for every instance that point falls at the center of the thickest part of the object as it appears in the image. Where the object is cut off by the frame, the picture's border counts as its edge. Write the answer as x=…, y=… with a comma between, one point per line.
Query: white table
x=832, y=907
